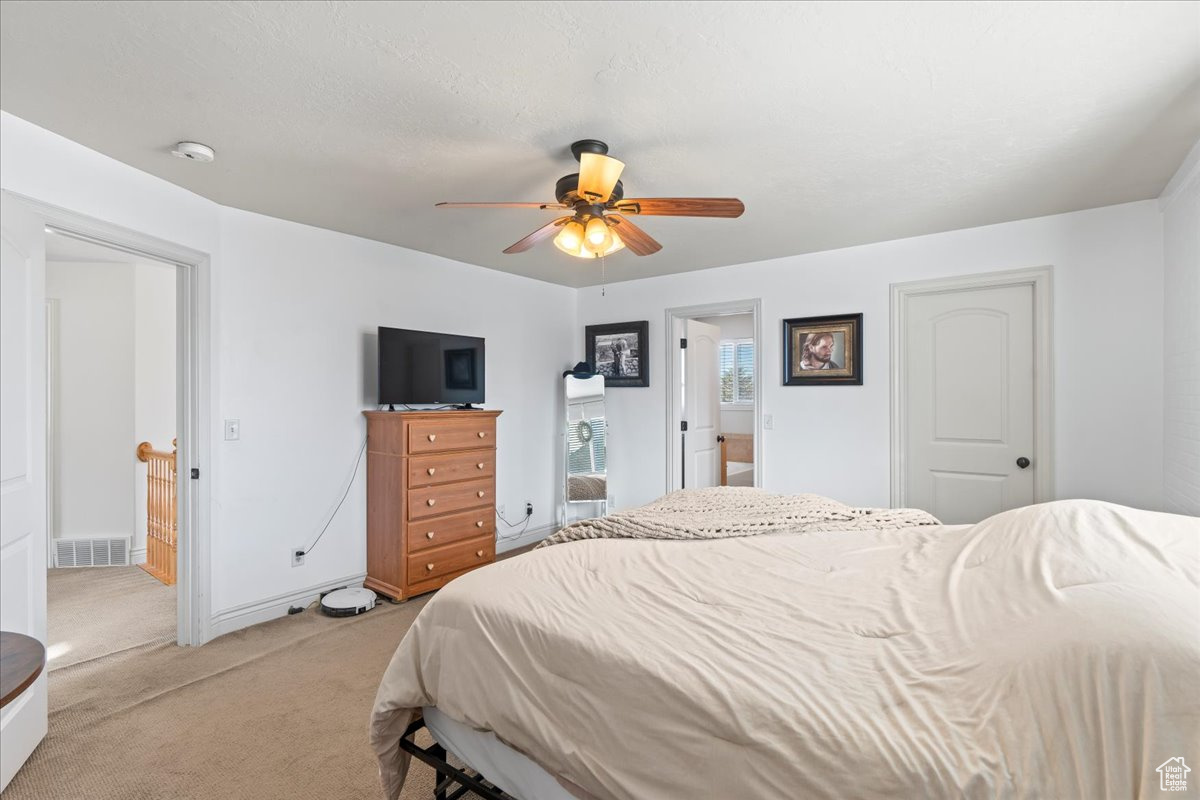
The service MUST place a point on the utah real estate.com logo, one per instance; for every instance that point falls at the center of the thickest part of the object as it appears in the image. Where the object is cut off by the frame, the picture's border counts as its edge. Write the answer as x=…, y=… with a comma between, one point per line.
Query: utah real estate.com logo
x=1172, y=775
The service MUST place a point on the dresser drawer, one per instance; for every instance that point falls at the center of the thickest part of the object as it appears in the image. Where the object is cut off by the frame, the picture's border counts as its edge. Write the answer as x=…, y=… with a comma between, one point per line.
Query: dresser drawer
x=433, y=470
x=441, y=531
x=436, y=436
x=444, y=560
x=432, y=501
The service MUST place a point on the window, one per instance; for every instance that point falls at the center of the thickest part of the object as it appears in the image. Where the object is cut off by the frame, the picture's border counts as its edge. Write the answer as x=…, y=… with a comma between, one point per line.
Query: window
x=737, y=371
x=585, y=444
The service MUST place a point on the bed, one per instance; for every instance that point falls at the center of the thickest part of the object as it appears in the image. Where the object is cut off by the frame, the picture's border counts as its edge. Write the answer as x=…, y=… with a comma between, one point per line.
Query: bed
x=1050, y=651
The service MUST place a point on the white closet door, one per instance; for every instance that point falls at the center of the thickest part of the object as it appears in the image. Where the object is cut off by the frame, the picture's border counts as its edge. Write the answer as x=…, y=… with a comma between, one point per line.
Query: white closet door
x=969, y=400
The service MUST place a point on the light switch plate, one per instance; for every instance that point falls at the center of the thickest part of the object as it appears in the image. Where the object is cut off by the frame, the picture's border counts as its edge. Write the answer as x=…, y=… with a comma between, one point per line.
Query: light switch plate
x=233, y=430
x=769, y=422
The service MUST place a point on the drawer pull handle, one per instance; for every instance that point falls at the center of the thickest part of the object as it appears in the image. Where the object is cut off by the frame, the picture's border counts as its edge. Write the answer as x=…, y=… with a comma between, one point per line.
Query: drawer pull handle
x=479, y=524
x=480, y=493
x=433, y=437
x=431, y=501
x=479, y=465
x=429, y=567
x=482, y=434
x=429, y=535
x=431, y=470
x=479, y=553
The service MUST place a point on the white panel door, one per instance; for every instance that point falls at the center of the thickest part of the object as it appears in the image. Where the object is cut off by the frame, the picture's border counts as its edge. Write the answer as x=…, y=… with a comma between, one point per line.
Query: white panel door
x=969, y=399
x=22, y=466
x=702, y=405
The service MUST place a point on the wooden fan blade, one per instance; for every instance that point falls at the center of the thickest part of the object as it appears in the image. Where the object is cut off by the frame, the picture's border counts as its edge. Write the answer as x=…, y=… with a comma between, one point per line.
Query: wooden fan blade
x=636, y=239
x=597, y=176
x=540, y=235
x=555, y=206
x=683, y=206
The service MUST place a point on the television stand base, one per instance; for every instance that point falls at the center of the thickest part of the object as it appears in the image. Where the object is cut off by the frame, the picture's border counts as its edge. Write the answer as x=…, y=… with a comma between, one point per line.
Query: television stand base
x=467, y=407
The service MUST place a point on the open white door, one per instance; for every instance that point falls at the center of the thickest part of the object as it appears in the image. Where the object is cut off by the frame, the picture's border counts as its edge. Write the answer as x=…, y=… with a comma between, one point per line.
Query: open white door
x=702, y=406
x=22, y=466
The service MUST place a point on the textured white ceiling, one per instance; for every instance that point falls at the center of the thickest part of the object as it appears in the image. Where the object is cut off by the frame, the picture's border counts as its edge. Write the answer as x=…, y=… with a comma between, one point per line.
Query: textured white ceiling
x=837, y=123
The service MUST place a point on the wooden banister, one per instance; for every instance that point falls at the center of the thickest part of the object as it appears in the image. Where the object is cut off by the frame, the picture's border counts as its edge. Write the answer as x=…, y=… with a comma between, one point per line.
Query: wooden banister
x=161, y=524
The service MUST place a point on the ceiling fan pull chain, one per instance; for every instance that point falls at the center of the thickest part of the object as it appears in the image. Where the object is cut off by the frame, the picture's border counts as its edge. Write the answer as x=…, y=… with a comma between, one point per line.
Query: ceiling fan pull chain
x=603, y=279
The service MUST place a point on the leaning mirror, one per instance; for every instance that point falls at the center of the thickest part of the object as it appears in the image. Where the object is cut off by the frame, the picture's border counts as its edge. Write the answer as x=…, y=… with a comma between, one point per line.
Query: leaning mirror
x=586, y=441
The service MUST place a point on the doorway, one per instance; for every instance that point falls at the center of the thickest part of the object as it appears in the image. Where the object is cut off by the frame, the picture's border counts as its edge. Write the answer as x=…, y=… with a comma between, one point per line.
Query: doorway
x=713, y=395
x=25, y=225
x=972, y=394
x=111, y=414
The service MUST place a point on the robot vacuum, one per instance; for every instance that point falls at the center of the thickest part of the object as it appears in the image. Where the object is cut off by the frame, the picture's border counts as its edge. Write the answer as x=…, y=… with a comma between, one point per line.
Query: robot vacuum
x=348, y=602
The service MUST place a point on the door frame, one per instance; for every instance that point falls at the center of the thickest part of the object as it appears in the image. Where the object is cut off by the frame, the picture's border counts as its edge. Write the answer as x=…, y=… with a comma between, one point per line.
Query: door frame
x=674, y=321
x=1041, y=279
x=193, y=398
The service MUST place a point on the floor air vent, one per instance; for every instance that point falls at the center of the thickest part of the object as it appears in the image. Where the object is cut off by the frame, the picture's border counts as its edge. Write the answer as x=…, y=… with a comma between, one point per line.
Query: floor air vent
x=91, y=552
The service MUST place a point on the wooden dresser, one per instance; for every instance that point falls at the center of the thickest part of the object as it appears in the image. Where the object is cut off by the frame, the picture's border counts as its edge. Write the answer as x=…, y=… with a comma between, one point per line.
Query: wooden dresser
x=431, y=495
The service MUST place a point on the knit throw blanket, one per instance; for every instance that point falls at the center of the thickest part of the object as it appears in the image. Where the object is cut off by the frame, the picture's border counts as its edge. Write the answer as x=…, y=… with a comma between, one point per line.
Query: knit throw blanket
x=728, y=511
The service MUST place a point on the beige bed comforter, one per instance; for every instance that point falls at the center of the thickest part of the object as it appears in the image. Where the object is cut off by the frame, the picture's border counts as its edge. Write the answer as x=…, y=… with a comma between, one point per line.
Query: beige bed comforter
x=1052, y=651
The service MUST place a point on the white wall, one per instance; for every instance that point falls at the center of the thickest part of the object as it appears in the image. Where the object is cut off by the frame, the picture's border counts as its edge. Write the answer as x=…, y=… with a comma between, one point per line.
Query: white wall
x=297, y=356
x=834, y=440
x=93, y=453
x=735, y=418
x=115, y=384
x=1181, y=350
x=291, y=307
x=154, y=375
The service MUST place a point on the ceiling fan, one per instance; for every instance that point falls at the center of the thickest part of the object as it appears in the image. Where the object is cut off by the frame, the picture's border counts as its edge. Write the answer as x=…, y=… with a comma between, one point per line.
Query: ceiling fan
x=599, y=223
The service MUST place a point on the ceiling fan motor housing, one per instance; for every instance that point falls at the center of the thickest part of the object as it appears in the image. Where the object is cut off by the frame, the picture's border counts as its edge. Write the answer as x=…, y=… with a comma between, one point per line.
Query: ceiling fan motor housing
x=566, y=191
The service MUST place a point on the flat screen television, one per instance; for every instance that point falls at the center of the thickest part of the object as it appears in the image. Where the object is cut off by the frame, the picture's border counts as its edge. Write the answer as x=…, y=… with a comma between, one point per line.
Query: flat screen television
x=420, y=367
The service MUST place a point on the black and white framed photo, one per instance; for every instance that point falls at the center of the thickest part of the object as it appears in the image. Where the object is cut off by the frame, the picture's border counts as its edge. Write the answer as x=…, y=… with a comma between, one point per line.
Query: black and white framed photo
x=823, y=351
x=620, y=352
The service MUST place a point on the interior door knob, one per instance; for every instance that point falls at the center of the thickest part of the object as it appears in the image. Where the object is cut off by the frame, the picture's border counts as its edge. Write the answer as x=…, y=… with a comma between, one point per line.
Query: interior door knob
x=1023, y=462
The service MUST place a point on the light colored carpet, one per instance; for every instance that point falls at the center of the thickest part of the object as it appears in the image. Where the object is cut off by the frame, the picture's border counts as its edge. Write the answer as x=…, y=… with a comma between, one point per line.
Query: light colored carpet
x=279, y=710
x=97, y=611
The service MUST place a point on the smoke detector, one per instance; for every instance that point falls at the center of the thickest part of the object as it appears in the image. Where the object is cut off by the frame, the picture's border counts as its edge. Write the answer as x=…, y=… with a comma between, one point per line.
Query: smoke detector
x=195, y=151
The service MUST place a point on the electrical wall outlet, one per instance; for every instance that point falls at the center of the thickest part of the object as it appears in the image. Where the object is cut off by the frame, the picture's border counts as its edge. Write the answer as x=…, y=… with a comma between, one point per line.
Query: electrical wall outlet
x=529, y=509
x=297, y=554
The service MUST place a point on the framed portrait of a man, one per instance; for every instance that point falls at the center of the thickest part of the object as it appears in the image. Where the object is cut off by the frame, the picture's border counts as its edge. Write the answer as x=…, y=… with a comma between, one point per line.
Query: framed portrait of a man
x=620, y=352
x=823, y=350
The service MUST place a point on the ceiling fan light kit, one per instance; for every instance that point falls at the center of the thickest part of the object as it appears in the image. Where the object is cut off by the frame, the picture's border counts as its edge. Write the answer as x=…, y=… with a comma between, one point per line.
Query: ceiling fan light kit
x=597, y=227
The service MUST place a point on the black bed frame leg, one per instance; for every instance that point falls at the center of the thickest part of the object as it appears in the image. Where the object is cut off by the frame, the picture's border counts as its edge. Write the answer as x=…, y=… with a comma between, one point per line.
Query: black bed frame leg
x=439, y=791
x=452, y=782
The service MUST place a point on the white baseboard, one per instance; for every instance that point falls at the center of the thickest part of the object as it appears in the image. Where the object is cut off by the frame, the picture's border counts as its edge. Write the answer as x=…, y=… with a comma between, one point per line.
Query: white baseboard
x=137, y=555
x=503, y=545
x=247, y=614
